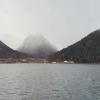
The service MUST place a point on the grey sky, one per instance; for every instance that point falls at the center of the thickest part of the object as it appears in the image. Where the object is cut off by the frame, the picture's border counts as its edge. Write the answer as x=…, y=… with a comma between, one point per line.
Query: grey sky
x=62, y=22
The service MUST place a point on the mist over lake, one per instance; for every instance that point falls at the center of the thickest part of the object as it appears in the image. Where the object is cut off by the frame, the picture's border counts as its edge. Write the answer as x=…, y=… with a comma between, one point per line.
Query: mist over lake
x=49, y=82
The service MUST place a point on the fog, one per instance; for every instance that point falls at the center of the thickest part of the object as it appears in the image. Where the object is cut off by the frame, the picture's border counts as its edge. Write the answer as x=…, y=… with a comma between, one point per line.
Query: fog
x=37, y=46
x=62, y=22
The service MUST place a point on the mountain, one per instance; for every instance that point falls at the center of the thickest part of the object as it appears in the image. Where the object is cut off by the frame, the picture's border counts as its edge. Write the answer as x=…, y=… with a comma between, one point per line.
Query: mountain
x=87, y=50
x=7, y=52
x=37, y=46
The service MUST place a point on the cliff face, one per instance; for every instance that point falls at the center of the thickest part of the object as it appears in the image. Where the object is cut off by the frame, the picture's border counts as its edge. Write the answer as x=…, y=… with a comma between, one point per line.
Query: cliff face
x=37, y=46
x=7, y=52
x=86, y=50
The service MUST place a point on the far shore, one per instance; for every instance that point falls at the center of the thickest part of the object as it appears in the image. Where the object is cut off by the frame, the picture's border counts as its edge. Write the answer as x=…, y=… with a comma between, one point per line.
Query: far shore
x=30, y=60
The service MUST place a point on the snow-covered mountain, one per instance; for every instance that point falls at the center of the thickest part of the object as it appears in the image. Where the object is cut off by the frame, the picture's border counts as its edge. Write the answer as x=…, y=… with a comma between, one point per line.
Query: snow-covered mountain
x=37, y=46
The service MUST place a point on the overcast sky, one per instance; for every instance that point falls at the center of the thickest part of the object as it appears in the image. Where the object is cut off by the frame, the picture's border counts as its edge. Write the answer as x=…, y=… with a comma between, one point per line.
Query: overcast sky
x=62, y=22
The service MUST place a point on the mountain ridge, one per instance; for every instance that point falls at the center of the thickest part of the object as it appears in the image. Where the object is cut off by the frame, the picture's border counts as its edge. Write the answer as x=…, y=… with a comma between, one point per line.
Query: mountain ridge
x=87, y=50
x=7, y=52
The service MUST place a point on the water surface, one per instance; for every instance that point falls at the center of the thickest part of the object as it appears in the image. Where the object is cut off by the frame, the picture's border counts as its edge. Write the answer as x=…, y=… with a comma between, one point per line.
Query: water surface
x=49, y=82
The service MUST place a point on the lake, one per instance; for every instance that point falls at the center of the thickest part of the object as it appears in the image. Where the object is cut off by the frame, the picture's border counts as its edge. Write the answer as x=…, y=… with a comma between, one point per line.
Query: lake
x=49, y=82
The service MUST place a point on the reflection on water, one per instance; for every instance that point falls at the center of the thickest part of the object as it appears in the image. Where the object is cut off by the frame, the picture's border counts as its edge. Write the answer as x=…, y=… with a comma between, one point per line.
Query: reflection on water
x=49, y=82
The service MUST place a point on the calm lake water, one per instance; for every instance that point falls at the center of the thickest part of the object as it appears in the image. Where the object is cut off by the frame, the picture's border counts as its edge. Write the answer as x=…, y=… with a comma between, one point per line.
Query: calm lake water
x=49, y=82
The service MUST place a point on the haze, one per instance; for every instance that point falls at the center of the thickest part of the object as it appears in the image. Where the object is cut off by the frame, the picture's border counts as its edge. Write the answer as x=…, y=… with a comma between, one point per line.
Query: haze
x=62, y=22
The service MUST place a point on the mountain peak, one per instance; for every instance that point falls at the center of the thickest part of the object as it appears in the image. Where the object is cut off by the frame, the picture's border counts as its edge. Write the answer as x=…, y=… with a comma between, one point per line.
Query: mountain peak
x=37, y=46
